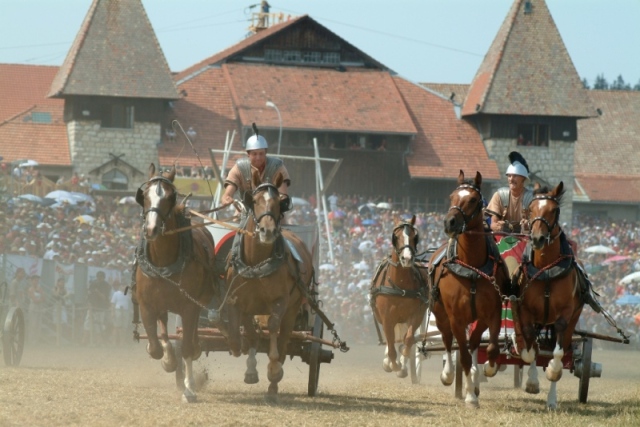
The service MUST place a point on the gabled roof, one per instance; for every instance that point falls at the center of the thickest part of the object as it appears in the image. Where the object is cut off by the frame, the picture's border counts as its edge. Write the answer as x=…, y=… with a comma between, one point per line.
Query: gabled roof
x=44, y=143
x=355, y=100
x=527, y=70
x=23, y=89
x=606, y=164
x=444, y=143
x=274, y=34
x=115, y=53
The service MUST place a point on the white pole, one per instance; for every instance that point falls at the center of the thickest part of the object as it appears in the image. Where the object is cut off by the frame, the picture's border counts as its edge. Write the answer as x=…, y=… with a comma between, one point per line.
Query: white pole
x=320, y=185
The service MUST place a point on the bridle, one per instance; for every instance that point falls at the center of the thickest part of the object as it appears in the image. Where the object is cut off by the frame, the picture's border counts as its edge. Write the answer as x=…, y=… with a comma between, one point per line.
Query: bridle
x=478, y=208
x=140, y=198
x=550, y=227
x=270, y=188
x=406, y=228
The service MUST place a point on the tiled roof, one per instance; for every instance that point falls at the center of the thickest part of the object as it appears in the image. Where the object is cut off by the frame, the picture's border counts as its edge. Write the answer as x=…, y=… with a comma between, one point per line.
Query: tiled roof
x=444, y=143
x=115, y=53
x=458, y=91
x=208, y=108
x=44, y=143
x=317, y=98
x=606, y=162
x=527, y=70
x=611, y=188
x=236, y=48
x=24, y=88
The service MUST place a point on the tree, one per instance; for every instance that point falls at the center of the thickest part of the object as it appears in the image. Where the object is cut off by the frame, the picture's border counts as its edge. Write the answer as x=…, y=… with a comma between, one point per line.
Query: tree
x=585, y=83
x=637, y=86
x=601, y=82
x=619, y=84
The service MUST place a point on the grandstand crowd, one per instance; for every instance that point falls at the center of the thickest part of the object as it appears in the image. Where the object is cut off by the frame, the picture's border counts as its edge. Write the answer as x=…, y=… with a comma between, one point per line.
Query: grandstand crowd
x=102, y=232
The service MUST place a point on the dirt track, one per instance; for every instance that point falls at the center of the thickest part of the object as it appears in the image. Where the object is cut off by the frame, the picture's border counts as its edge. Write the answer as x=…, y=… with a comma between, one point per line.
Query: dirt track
x=122, y=386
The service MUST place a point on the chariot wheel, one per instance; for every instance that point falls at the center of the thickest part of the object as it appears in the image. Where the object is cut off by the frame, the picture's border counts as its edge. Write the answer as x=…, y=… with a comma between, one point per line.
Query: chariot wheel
x=583, y=388
x=314, y=357
x=13, y=337
x=177, y=351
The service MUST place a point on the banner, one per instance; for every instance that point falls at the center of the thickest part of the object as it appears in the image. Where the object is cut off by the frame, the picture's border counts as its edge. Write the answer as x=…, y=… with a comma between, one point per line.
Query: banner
x=195, y=186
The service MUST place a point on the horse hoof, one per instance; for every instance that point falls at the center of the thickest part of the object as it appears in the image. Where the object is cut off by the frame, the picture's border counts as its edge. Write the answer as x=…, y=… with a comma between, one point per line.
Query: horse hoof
x=532, y=388
x=251, y=378
x=386, y=365
x=472, y=402
x=169, y=365
x=188, y=396
x=476, y=390
x=402, y=373
x=446, y=380
x=275, y=378
x=273, y=390
x=490, y=371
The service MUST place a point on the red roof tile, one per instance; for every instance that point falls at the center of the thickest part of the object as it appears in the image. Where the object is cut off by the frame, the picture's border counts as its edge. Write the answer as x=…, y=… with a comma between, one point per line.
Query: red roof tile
x=23, y=88
x=115, y=53
x=44, y=143
x=317, y=98
x=527, y=70
x=611, y=188
x=445, y=143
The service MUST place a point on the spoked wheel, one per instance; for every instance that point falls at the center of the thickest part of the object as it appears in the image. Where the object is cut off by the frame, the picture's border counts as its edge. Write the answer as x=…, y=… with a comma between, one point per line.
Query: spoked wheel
x=314, y=358
x=583, y=389
x=177, y=350
x=13, y=337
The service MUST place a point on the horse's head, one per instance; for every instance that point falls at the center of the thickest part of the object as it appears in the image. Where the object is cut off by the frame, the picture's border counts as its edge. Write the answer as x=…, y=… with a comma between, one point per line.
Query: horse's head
x=264, y=204
x=465, y=210
x=157, y=197
x=544, y=214
x=405, y=241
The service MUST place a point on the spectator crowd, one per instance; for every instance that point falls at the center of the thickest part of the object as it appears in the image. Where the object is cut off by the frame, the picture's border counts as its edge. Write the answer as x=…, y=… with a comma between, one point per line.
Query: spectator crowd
x=102, y=232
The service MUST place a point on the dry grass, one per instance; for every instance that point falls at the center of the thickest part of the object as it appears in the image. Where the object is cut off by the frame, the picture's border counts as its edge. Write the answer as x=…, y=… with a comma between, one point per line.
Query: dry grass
x=122, y=386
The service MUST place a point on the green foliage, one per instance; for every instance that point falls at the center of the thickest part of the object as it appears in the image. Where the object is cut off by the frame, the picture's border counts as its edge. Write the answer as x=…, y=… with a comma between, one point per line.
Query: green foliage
x=601, y=83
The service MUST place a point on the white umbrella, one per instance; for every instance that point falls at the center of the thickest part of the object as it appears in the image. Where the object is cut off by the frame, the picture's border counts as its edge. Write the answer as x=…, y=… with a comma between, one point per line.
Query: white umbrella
x=600, y=249
x=298, y=201
x=361, y=266
x=28, y=163
x=365, y=246
x=384, y=205
x=85, y=219
x=328, y=267
x=633, y=277
x=127, y=200
x=81, y=197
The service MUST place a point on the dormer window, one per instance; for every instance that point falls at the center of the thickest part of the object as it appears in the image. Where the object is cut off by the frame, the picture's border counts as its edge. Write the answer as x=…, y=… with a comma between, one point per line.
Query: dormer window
x=118, y=116
x=533, y=135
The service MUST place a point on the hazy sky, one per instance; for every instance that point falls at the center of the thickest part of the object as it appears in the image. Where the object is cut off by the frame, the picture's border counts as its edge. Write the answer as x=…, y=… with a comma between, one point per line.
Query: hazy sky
x=440, y=41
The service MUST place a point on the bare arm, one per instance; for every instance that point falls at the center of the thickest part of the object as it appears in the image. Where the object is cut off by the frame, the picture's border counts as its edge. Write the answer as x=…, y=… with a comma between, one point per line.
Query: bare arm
x=229, y=191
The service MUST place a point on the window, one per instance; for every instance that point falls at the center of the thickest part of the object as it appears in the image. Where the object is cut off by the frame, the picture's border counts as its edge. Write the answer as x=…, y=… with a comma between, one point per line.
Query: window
x=298, y=56
x=41, y=117
x=118, y=116
x=533, y=135
x=115, y=180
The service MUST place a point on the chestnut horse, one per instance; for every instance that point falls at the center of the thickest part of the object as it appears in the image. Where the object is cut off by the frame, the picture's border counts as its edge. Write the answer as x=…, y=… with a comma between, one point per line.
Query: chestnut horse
x=468, y=279
x=549, y=289
x=269, y=272
x=399, y=294
x=175, y=272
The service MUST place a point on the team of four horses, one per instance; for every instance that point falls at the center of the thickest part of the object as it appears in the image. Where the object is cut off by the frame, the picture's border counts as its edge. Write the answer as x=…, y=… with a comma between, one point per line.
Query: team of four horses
x=269, y=272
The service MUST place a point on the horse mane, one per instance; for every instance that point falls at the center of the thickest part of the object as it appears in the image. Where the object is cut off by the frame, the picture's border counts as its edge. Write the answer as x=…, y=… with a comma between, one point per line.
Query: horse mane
x=545, y=190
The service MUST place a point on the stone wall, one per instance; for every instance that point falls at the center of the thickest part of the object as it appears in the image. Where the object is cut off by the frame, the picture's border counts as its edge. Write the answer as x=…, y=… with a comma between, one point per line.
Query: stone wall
x=90, y=145
x=553, y=164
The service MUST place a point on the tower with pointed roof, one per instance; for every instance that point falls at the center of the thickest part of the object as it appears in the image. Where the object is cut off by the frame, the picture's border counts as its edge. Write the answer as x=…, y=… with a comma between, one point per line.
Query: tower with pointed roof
x=527, y=96
x=116, y=85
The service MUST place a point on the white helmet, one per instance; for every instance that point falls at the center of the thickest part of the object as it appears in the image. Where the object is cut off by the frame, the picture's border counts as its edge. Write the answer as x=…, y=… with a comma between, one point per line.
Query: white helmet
x=517, y=168
x=256, y=142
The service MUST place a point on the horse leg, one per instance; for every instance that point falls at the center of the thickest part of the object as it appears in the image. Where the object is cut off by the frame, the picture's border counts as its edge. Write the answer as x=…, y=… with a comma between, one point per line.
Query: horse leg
x=150, y=323
x=189, y=348
x=533, y=385
x=470, y=372
x=390, y=362
x=251, y=374
x=234, y=338
x=409, y=341
x=448, y=372
x=554, y=368
x=274, y=368
x=169, y=362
